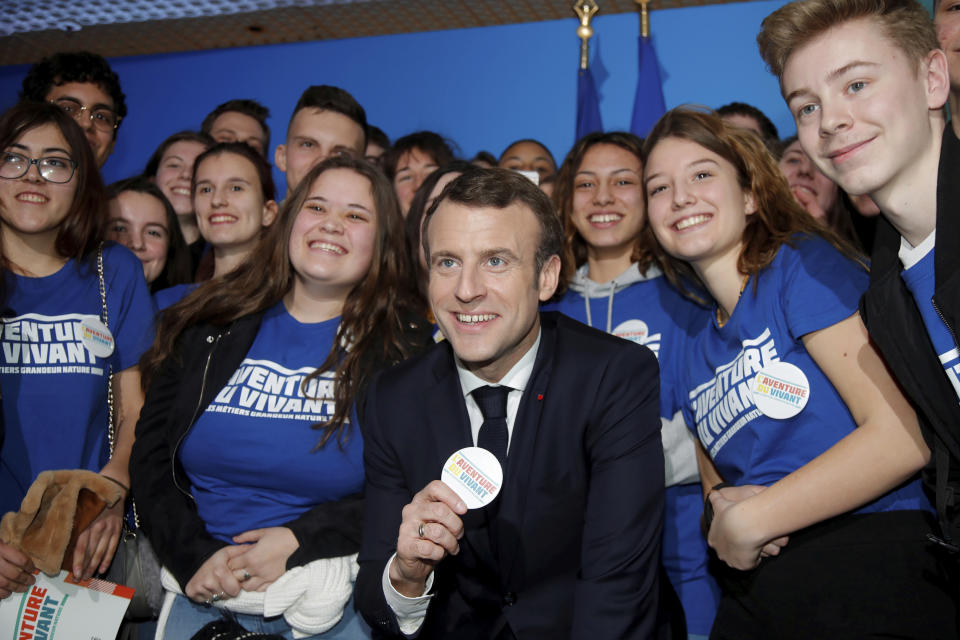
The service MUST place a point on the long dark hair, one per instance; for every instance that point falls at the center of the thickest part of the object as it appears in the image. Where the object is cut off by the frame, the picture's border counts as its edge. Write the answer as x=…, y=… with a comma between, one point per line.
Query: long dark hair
x=375, y=314
x=177, y=268
x=206, y=265
x=779, y=217
x=427, y=142
x=574, y=246
x=81, y=229
x=549, y=155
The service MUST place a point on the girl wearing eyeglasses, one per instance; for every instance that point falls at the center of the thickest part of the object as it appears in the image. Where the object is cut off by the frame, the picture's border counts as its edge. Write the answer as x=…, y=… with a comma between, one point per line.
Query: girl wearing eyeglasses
x=53, y=382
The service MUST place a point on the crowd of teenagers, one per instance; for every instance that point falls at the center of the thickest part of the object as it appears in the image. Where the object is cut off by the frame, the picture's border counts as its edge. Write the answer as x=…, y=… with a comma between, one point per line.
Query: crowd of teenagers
x=768, y=447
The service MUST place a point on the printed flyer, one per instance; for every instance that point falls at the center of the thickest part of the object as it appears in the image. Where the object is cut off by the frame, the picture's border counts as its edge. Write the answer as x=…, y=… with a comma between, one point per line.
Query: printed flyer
x=62, y=608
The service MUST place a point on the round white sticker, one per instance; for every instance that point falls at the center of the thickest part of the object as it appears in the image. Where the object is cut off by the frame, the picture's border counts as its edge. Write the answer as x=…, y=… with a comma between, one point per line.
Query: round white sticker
x=633, y=330
x=780, y=390
x=475, y=475
x=96, y=337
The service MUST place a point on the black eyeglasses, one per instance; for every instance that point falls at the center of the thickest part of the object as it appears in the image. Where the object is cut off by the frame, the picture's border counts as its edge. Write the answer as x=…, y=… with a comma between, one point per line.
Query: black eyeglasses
x=102, y=118
x=52, y=169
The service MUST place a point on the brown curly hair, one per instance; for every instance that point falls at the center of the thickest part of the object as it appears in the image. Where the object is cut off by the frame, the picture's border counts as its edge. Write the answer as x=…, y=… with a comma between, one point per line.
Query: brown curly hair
x=375, y=314
x=574, y=246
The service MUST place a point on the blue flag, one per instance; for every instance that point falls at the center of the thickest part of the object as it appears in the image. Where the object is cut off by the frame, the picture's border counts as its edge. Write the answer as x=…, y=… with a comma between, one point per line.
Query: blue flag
x=588, y=105
x=648, y=104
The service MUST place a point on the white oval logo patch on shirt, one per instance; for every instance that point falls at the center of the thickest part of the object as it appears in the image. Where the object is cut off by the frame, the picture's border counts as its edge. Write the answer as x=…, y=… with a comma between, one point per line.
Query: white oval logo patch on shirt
x=96, y=337
x=633, y=330
x=780, y=390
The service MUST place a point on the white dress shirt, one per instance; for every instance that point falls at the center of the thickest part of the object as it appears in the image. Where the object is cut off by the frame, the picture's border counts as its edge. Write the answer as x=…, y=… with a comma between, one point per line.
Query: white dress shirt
x=411, y=612
x=911, y=255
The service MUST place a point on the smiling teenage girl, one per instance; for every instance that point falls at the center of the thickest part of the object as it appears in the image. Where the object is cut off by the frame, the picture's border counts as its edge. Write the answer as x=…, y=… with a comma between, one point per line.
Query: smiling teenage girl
x=171, y=168
x=792, y=403
x=617, y=288
x=52, y=212
x=250, y=456
x=142, y=220
x=233, y=202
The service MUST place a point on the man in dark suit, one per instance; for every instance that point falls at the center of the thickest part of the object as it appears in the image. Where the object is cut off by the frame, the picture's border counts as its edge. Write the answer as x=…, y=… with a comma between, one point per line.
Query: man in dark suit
x=570, y=547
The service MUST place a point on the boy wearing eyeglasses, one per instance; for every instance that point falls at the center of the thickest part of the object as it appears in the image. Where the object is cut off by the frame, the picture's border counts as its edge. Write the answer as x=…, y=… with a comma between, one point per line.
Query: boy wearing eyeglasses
x=83, y=85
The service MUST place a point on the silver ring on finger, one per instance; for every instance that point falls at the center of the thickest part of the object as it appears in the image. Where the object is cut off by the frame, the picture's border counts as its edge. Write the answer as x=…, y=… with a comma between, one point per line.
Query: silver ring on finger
x=217, y=597
x=420, y=530
x=246, y=575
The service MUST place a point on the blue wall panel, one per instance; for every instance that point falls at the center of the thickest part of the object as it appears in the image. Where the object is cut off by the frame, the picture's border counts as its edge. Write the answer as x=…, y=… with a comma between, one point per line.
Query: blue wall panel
x=482, y=87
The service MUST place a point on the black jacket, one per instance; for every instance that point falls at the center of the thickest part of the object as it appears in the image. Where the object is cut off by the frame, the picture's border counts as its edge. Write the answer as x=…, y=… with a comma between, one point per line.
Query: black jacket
x=571, y=547
x=896, y=326
x=203, y=361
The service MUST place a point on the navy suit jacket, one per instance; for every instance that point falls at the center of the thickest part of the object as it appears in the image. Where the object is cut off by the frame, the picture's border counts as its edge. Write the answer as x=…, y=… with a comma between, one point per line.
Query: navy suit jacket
x=577, y=531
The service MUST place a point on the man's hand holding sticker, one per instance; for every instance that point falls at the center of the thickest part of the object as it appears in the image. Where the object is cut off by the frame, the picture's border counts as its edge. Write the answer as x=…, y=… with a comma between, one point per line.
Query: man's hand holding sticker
x=430, y=530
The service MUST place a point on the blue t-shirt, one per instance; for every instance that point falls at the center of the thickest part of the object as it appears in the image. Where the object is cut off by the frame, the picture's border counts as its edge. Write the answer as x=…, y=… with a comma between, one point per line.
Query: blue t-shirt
x=919, y=279
x=652, y=313
x=251, y=457
x=54, y=389
x=172, y=295
x=806, y=288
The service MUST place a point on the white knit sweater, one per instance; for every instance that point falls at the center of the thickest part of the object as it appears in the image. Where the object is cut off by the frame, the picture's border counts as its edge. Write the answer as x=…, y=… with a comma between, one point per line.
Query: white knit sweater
x=311, y=598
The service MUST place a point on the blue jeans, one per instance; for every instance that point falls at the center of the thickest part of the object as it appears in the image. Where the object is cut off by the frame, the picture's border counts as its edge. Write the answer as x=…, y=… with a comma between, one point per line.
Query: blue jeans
x=187, y=617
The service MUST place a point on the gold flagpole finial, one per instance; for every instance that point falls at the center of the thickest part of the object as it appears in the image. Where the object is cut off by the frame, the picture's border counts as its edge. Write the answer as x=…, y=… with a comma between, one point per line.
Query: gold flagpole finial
x=644, y=17
x=585, y=10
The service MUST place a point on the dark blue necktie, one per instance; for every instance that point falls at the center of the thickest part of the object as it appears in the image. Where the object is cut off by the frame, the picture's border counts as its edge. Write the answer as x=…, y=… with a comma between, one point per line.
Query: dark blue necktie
x=493, y=432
